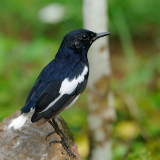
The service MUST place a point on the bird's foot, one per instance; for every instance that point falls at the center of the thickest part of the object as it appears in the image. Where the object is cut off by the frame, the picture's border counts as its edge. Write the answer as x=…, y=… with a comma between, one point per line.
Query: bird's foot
x=62, y=136
x=65, y=146
x=49, y=134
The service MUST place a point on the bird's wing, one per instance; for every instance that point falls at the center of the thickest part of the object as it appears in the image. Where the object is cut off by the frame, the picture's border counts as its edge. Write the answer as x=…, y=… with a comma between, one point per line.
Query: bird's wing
x=35, y=92
x=56, y=97
x=32, y=91
x=50, y=94
x=38, y=88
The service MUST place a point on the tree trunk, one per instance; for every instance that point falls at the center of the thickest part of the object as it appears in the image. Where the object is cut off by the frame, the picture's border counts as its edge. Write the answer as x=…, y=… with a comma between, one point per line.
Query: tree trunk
x=100, y=98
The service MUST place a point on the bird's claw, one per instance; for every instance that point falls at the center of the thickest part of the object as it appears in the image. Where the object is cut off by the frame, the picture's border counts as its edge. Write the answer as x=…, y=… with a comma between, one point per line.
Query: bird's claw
x=63, y=143
x=50, y=134
x=54, y=141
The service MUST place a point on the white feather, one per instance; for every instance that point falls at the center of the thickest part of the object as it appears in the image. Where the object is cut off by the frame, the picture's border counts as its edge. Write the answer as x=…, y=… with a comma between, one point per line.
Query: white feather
x=52, y=103
x=20, y=121
x=68, y=87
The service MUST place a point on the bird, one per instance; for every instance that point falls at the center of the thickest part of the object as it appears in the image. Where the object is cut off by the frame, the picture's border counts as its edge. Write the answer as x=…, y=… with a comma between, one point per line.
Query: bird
x=60, y=83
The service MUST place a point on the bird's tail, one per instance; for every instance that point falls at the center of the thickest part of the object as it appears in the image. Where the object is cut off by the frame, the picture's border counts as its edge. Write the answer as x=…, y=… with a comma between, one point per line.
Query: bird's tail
x=19, y=121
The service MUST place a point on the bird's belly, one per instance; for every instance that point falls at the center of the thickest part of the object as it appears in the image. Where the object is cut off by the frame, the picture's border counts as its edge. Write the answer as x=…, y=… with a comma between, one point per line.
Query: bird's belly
x=72, y=102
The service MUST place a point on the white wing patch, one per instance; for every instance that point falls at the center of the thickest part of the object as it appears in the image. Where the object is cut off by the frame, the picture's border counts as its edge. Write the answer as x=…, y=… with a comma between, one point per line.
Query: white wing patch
x=68, y=87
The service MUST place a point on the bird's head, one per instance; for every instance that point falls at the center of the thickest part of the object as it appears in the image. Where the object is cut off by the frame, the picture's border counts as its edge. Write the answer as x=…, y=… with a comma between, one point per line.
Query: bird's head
x=82, y=39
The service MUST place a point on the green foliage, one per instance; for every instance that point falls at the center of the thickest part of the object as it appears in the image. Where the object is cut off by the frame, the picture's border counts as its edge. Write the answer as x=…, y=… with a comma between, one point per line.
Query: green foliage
x=140, y=16
x=20, y=19
x=142, y=155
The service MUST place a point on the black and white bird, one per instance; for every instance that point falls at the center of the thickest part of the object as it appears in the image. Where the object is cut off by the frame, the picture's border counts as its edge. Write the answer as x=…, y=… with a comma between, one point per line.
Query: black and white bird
x=61, y=82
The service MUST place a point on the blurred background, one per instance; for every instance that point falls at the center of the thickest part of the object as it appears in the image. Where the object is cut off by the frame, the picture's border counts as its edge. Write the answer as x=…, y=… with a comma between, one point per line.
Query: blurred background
x=29, y=39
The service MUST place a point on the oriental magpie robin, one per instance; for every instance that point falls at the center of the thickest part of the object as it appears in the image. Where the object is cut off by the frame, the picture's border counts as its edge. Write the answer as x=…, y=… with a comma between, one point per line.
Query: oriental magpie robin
x=60, y=83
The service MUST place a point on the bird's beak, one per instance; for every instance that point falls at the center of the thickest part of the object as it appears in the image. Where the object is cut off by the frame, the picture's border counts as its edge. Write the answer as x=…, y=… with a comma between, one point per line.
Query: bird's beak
x=99, y=35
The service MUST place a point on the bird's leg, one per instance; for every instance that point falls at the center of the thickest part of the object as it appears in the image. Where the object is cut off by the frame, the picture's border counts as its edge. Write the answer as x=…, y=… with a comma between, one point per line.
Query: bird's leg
x=50, y=132
x=57, y=129
x=63, y=138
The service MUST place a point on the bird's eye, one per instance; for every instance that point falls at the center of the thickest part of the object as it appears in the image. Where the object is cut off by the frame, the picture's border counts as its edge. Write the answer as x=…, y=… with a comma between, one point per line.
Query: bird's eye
x=84, y=36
